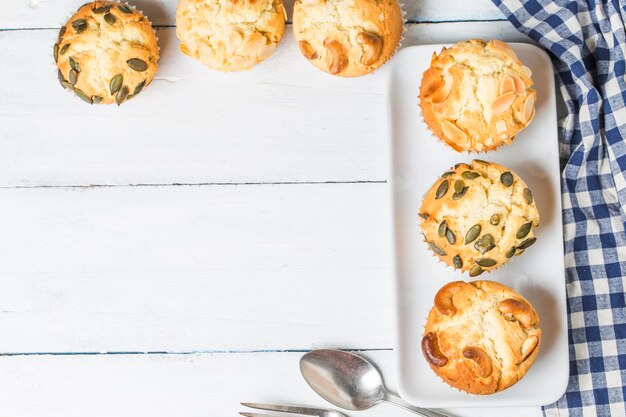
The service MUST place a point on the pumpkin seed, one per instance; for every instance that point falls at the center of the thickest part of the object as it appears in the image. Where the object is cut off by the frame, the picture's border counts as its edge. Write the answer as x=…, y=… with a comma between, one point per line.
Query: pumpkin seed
x=139, y=87
x=469, y=175
x=116, y=83
x=509, y=254
x=458, y=195
x=62, y=32
x=62, y=81
x=523, y=231
x=442, y=189
x=458, y=186
x=423, y=216
x=102, y=9
x=443, y=227
x=506, y=179
x=456, y=166
x=122, y=95
x=55, y=52
x=495, y=219
x=83, y=96
x=436, y=249
x=475, y=271
x=73, y=77
x=457, y=262
x=74, y=65
x=472, y=233
x=480, y=161
x=79, y=25
x=527, y=243
x=96, y=99
x=450, y=236
x=485, y=262
x=528, y=196
x=137, y=64
x=447, y=174
x=110, y=19
x=484, y=244
x=124, y=8
x=64, y=49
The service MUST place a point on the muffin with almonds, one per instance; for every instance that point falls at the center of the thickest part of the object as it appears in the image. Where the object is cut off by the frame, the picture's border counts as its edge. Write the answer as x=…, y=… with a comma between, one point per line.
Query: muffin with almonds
x=478, y=216
x=348, y=38
x=477, y=95
x=230, y=35
x=106, y=53
x=481, y=337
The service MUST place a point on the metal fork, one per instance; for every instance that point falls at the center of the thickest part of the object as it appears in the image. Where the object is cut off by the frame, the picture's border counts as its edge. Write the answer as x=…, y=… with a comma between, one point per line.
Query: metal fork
x=306, y=411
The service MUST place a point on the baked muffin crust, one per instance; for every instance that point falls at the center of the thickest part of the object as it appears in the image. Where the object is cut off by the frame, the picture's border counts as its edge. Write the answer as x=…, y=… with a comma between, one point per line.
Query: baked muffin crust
x=477, y=95
x=348, y=38
x=478, y=216
x=481, y=337
x=229, y=35
x=106, y=53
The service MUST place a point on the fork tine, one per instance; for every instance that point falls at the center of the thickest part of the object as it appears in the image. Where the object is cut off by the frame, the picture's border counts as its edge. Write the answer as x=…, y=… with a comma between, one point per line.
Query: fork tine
x=285, y=409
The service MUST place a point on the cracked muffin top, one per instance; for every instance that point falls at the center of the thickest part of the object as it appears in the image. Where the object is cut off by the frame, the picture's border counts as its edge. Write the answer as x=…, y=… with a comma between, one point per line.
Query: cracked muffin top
x=477, y=95
x=229, y=35
x=481, y=337
x=347, y=38
x=478, y=216
x=106, y=53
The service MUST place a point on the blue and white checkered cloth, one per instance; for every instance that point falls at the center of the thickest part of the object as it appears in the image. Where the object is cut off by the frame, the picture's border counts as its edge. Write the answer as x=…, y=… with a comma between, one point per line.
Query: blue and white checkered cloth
x=587, y=42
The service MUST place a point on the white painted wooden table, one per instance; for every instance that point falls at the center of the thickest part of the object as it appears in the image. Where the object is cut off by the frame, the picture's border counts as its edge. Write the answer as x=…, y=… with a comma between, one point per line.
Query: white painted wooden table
x=176, y=256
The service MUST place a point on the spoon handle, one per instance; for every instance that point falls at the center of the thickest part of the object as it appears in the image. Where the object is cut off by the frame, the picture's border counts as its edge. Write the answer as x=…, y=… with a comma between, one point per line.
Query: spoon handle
x=424, y=412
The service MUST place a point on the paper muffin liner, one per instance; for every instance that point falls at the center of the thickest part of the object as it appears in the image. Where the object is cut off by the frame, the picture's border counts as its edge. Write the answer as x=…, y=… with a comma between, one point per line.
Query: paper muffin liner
x=67, y=19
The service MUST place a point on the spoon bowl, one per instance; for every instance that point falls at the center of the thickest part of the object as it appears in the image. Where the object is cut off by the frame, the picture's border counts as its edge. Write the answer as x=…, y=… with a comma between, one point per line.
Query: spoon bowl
x=342, y=378
x=350, y=381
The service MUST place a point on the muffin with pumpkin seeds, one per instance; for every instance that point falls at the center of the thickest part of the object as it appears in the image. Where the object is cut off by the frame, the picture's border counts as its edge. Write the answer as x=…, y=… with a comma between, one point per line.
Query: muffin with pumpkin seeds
x=106, y=53
x=477, y=216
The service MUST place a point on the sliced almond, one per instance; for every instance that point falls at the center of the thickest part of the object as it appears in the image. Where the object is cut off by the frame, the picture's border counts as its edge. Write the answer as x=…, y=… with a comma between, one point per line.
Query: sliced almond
x=253, y=44
x=528, y=109
x=440, y=108
x=528, y=347
x=505, y=48
x=507, y=84
x=527, y=71
x=501, y=126
x=454, y=133
x=443, y=93
x=234, y=40
x=432, y=84
x=520, y=86
x=502, y=104
x=266, y=51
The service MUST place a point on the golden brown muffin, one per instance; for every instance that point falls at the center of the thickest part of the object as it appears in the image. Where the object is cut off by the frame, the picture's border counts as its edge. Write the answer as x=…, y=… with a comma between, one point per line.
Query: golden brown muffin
x=229, y=35
x=477, y=96
x=481, y=337
x=476, y=217
x=348, y=38
x=106, y=53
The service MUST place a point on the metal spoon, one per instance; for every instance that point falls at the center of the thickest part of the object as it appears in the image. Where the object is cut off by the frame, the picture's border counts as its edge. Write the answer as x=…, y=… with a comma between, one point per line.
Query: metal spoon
x=350, y=382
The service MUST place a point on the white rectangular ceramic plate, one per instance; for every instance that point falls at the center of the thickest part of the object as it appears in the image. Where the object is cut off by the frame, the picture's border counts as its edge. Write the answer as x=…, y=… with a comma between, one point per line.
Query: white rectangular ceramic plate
x=417, y=159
